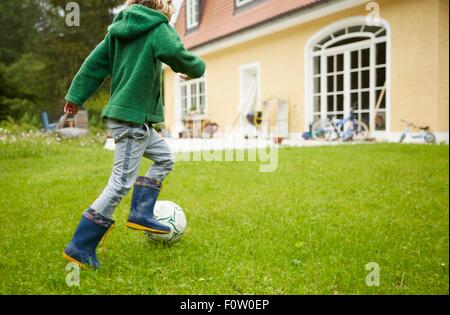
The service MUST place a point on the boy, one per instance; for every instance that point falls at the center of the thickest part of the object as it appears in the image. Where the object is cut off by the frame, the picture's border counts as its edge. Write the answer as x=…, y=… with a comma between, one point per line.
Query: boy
x=137, y=43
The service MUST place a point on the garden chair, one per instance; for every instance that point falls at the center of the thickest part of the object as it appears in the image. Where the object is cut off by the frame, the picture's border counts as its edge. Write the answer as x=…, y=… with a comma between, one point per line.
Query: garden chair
x=46, y=124
x=80, y=125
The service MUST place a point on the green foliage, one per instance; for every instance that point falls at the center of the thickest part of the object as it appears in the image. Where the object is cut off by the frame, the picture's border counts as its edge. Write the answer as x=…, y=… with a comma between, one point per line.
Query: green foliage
x=96, y=104
x=28, y=122
x=40, y=54
x=19, y=20
x=308, y=228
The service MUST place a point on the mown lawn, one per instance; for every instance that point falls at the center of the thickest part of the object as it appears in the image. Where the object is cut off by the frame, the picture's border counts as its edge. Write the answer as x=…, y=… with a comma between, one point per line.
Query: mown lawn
x=308, y=228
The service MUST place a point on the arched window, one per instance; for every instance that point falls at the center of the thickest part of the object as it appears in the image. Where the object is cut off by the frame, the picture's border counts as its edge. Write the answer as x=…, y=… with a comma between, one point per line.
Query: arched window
x=348, y=69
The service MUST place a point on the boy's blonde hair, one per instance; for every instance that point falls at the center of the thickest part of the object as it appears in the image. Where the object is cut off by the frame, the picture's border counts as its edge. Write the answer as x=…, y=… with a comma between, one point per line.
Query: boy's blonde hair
x=163, y=6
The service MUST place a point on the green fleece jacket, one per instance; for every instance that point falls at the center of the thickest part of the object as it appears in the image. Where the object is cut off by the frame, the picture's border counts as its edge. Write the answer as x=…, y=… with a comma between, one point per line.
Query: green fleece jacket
x=138, y=42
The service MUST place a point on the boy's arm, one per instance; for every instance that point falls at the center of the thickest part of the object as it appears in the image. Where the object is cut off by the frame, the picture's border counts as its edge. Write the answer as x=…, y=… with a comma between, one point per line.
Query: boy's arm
x=91, y=74
x=170, y=50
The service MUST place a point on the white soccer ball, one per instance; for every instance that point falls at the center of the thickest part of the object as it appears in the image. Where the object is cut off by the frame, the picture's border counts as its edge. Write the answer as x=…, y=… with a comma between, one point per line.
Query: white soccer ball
x=172, y=215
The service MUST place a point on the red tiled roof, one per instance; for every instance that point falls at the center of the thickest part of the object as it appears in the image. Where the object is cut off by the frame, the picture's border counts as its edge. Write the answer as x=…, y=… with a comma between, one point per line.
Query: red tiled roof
x=219, y=19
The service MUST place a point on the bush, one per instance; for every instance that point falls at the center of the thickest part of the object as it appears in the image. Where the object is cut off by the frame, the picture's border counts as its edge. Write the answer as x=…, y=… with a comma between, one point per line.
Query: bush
x=27, y=122
x=95, y=107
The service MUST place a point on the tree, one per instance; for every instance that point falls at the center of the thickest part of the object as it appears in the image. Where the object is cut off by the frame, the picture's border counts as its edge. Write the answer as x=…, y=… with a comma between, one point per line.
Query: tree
x=40, y=54
x=65, y=48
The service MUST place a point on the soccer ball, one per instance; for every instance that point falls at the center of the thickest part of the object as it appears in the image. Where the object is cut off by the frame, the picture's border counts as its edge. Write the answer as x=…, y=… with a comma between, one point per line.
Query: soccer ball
x=172, y=215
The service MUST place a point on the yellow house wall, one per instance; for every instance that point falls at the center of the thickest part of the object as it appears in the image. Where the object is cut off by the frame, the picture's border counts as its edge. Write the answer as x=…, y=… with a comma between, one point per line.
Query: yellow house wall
x=419, y=66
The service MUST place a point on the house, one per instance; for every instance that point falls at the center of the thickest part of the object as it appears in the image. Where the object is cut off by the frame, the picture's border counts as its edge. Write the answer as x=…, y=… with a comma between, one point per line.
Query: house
x=387, y=60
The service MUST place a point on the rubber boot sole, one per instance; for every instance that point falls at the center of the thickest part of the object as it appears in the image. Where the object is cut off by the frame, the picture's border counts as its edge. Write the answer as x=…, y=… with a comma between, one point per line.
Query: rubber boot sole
x=138, y=227
x=73, y=260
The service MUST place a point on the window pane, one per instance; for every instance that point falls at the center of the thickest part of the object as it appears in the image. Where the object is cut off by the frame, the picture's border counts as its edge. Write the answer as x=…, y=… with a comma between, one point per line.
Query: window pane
x=381, y=77
x=348, y=41
x=202, y=104
x=202, y=87
x=339, y=33
x=340, y=83
x=317, y=107
x=183, y=91
x=323, y=41
x=330, y=105
x=380, y=121
x=330, y=83
x=365, y=79
x=365, y=101
x=317, y=82
x=340, y=102
x=330, y=64
x=365, y=117
x=354, y=101
x=354, y=59
x=184, y=105
x=354, y=79
x=354, y=29
x=317, y=65
x=340, y=62
x=365, y=58
x=193, y=98
x=381, y=54
x=371, y=29
x=383, y=33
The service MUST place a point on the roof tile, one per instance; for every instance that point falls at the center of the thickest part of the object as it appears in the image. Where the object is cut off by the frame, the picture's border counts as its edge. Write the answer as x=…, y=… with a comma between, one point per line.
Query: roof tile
x=219, y=18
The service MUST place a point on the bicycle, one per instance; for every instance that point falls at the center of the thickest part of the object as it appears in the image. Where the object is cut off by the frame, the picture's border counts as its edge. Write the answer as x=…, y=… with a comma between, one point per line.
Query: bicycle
x=423, y=133
x=346, y=129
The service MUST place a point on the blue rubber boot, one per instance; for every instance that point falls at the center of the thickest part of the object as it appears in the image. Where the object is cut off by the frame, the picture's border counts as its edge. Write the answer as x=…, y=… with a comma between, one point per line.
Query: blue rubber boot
x=91, y=229
x=141, y=217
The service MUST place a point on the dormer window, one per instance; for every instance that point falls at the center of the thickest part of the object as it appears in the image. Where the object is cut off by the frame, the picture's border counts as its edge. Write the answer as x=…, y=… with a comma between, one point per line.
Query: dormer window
x=240, y=3
x=192, y=13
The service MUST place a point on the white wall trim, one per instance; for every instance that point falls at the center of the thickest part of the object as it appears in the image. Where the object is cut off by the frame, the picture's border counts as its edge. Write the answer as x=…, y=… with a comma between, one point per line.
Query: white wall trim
x=177, y=106
x=178, y=114
x=303, y=16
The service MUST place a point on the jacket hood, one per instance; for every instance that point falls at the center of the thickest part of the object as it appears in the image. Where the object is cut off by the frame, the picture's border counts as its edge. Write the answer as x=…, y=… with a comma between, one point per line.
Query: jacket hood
x=135, y=21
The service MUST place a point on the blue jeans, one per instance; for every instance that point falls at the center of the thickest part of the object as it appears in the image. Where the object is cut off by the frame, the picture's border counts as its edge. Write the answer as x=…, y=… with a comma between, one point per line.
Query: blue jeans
x=132, y=143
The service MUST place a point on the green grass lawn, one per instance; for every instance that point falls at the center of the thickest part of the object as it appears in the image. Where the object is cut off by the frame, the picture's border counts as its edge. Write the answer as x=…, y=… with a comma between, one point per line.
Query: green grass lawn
x=308, y=228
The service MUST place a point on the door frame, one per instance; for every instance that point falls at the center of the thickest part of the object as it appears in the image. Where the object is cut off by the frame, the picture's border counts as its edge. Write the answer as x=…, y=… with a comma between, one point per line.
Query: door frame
x=308, y=61
x=256, y=66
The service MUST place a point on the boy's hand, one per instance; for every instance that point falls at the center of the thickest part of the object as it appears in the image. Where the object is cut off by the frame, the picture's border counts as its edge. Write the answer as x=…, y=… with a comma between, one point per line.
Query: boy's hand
x=185, y=77
x=70, y=108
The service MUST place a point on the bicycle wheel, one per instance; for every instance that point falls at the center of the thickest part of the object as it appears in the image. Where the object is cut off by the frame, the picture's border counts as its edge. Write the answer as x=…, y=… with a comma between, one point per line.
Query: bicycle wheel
x=430, y=138
x=360, y=131
x=323, y=130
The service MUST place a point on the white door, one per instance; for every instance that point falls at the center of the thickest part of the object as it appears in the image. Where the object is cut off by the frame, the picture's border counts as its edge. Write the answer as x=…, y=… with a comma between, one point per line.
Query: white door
x=249, y=101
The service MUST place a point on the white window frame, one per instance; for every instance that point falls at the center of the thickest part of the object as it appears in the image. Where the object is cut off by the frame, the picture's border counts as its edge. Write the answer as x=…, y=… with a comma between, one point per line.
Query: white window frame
x=240, y=3
x=179, y=84
x=311, y=51
x=192, y=13
x=189, y=85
